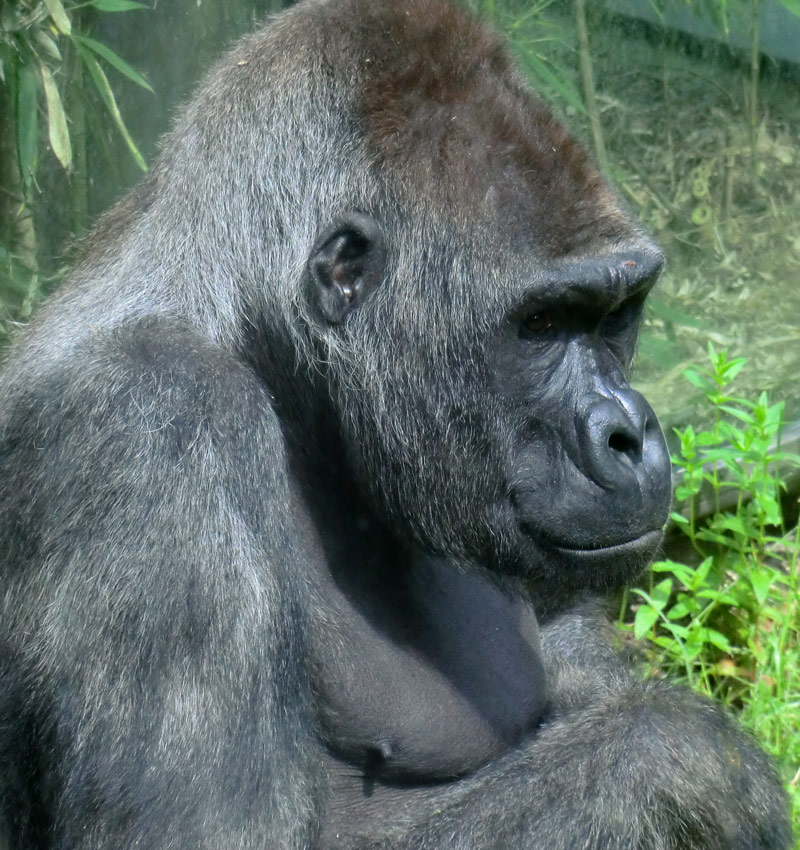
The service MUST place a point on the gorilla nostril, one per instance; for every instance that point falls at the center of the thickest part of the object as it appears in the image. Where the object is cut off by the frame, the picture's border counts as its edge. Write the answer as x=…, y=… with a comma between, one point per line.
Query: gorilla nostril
x=625, y=444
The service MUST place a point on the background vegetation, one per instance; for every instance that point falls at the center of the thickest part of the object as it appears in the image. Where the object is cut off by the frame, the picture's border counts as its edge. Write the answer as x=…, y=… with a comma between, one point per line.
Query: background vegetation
x=692, y=107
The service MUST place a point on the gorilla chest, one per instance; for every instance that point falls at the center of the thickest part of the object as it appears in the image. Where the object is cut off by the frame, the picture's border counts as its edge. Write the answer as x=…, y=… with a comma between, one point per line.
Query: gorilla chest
x=426, y=677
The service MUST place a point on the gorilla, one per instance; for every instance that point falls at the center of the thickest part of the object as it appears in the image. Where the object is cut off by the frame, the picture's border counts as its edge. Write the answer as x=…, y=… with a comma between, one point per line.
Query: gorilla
x=310, y=470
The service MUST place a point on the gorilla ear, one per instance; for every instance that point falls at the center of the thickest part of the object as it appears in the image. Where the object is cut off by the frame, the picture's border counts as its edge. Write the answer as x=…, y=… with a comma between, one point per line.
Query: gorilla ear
x=346, y=265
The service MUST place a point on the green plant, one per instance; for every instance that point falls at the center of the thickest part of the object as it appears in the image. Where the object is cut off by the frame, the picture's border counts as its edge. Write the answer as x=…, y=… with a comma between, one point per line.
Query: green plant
x=31, y=36
x=43, y=54
x=727, y=620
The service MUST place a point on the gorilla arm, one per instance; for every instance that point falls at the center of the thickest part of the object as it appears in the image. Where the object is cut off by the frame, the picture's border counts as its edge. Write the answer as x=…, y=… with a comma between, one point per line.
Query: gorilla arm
x=149, y=611
x=617, y=763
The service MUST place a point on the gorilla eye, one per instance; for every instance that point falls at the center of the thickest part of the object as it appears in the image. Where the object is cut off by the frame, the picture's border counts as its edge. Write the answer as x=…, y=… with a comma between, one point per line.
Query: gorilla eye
x=537, y=324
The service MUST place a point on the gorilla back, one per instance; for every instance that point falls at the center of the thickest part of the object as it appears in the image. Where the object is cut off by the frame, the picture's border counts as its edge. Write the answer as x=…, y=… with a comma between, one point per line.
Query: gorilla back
x=329, y=393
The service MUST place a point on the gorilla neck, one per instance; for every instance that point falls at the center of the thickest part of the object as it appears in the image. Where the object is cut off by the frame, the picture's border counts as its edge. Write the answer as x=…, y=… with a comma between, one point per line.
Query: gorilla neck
x=423, y=670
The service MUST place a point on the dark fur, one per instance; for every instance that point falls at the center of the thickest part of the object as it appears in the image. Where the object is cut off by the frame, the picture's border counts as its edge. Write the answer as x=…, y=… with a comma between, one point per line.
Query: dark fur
x=281, y=462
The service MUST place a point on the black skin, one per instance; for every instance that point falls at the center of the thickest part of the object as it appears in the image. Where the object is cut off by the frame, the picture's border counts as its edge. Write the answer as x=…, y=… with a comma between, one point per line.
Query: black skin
x=306, y=475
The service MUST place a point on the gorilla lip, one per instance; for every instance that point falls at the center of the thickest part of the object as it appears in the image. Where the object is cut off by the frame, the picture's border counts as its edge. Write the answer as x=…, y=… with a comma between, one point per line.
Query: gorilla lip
x=645, y=542
x=600, y=567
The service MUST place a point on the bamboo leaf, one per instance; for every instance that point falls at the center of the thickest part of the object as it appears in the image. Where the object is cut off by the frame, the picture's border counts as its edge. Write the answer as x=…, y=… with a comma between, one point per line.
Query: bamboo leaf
x=104, y=89
x=59, y=16
x=56, y=119
x=116, y=5
x=27, y=123
x=47, y=44
x=113, y=59
x=673, y=314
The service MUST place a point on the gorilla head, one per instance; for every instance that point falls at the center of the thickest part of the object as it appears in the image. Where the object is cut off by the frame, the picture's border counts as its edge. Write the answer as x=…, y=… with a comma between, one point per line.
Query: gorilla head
x=475, y=308
x=470, y=288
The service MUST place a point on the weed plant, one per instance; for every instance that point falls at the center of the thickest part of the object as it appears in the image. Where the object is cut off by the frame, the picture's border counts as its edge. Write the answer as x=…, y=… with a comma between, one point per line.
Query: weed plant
x=726, y=619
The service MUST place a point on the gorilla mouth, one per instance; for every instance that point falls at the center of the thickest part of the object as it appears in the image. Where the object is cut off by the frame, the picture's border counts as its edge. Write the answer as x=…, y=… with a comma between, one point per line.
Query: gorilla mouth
x=596, y=567
x=645, y=543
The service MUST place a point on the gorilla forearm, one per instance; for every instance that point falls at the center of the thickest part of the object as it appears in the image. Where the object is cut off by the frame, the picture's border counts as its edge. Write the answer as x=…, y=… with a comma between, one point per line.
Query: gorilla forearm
x=618, y=763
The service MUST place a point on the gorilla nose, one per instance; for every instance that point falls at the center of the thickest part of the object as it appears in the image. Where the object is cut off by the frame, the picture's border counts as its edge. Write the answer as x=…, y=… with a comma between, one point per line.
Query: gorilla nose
x=615, y=435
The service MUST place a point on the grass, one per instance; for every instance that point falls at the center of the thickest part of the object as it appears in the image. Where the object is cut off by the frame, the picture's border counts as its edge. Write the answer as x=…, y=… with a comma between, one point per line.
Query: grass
x=725, y=618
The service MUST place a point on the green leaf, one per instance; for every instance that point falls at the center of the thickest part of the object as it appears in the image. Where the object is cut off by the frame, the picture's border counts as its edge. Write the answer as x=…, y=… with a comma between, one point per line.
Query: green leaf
x=760, y=580
x=770, y=508
x=101, y=83
x=683, y=573
x=562, y=86
x=113, y=59
x=702, y=571
x=693, y=647
x=27, y=123
x=716, y=596
x=47, y=44
x=684, y=492
x=663, y=352
x=774, y=414
x=722, y=539
x=716, y=638
x=644, y=620
x=116, y=5
x=679, y=610
x=680, y=632
x=668, y=643
x=732, y=368
x=59, y=16
x=734, y=523
x=661, y=593
x=56, y=119
x=743, y=415
x=698, y=380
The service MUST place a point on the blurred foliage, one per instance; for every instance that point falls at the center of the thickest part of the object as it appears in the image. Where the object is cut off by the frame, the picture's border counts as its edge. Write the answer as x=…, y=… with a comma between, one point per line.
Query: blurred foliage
x=78, y=121
x=42, y=49
x=705, y=158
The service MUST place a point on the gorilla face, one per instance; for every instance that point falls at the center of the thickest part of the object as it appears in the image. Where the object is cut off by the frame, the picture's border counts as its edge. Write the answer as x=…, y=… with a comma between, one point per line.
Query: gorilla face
x=588, y=471
x=501, y=431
